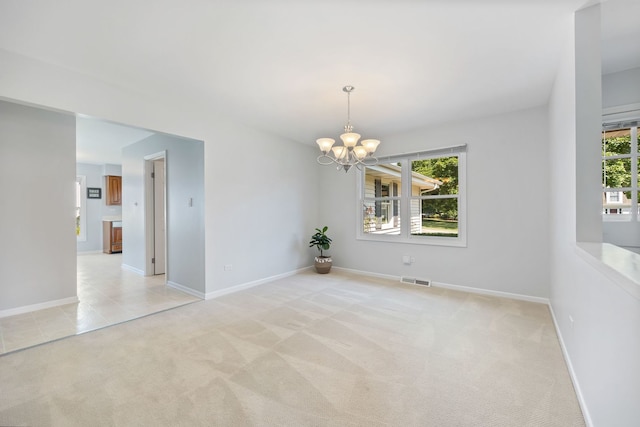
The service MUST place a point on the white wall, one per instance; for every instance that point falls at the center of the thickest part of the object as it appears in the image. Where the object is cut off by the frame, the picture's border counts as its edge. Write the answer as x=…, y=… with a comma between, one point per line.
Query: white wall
x=260, y=206
x=96, y=208
x=589, y=116
x=93, y=211
x=602, y=341
x=185, y=224
x=507, y=180
x=622, y=88
x=37, y=213
x=265, y=197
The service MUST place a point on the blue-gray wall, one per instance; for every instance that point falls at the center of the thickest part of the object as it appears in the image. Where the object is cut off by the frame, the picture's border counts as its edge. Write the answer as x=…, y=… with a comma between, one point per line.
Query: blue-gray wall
x=185, y=224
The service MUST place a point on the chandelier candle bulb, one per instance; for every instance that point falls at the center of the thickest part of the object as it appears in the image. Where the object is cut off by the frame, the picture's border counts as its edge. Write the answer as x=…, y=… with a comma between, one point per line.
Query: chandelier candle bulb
x=370, y=145
x=350, y=153
x=350, y=139
x=325, y=144
x=340, y=152
x=360, y=152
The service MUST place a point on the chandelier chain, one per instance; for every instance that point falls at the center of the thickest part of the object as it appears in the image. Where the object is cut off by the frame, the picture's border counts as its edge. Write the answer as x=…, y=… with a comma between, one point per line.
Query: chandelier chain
x=348, y=127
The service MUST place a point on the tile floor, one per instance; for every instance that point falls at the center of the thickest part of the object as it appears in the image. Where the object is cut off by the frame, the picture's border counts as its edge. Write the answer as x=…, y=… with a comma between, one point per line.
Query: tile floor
x=108, y=295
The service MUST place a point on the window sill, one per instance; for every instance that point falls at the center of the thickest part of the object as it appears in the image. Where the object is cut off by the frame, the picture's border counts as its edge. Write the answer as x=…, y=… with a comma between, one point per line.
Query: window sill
x=430, y=241
x=616, y=218
x=618, y=264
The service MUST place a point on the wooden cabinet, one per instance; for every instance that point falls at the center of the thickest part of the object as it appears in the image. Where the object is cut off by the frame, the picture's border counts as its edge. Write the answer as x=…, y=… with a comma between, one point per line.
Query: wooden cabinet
x=111, y=236
x=113, y=189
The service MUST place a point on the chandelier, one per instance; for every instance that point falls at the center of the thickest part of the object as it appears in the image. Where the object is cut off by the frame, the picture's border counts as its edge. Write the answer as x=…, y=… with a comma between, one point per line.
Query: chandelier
x=350, y=153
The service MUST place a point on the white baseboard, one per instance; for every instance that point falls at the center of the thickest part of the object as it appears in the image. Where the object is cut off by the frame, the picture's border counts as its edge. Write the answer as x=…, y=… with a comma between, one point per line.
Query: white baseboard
x=36, y=307
x=133, y=269
x=366, y=273
x=221, y=292
x=490, y=292
x=572, y=374
x=456, y=287
x=186, y=290
x=99, y=251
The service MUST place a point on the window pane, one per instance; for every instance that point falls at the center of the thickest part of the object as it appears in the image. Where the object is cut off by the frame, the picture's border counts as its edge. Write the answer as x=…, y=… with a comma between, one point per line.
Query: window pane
x=434, y=176
x=617, y=173
x=78, y=206
x=382, y=182
x=616, y=142
x=434, y=217
x=381, y=216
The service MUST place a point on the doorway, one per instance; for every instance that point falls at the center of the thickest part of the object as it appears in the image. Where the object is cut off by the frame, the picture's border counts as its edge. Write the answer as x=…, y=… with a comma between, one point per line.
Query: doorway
x=156, y=214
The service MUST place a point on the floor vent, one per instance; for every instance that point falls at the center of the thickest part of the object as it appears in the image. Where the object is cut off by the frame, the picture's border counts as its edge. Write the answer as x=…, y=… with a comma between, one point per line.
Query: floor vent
x=414, y=281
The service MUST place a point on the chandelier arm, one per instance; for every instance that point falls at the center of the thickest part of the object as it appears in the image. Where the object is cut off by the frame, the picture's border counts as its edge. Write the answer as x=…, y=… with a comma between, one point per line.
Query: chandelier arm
x=321, y=160
x=367, y=161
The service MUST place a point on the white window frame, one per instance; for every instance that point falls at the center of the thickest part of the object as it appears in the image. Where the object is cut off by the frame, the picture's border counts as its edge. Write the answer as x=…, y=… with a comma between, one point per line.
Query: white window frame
x=627, y=116
x=82, y=198
x=405, y=198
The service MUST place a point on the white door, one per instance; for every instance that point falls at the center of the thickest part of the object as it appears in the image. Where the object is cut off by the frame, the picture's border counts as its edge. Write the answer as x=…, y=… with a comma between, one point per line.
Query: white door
x=159, y=216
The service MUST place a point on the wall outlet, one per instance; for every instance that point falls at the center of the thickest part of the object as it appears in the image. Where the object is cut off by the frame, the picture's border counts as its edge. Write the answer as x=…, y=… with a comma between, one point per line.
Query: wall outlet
x=228, y=267
x=406, y=259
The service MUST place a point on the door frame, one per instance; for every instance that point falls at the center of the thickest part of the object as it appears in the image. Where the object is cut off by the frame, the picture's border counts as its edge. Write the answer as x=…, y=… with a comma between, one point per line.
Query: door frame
x=149, y=220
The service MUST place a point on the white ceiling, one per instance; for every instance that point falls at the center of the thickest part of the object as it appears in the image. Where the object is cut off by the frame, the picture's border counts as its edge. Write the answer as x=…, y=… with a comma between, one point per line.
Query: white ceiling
x=280, y=65
x=101, y=142
x=620, y=35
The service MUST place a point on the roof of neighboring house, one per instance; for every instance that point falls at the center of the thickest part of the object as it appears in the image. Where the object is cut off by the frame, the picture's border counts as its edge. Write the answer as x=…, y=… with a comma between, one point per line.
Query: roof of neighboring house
x=417, y=179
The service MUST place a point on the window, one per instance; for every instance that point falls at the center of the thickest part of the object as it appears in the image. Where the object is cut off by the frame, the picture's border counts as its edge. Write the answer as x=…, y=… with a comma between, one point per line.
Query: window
x=81, y=209
x=620, y=172
x=415, y=198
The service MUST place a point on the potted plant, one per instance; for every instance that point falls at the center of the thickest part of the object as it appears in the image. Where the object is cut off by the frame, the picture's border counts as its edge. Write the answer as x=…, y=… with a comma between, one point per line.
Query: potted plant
x=322, y=242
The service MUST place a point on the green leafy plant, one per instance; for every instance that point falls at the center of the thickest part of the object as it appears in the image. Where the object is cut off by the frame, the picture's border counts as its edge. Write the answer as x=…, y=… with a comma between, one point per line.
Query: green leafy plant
x=320, y=240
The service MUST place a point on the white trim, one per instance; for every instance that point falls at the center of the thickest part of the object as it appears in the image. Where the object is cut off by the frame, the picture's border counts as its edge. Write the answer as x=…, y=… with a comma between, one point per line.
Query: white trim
x=621, y=113
x=572, y=374
x=367, y=273
x=133, y=269
x=98, y=251
x=426, y=154
x=432, y=240
x=243, y=286
x=148, y=212
x=39, y=306
x=82, y=180
x=480, y=291
x=186, y=289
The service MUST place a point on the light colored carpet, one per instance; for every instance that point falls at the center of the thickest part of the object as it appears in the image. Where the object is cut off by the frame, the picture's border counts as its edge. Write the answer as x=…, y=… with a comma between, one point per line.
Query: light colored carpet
x=307, y=350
